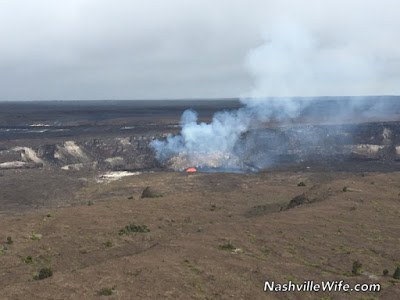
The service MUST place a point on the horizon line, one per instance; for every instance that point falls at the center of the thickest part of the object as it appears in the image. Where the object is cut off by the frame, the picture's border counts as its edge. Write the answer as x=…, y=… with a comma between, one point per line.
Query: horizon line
x=200, y=98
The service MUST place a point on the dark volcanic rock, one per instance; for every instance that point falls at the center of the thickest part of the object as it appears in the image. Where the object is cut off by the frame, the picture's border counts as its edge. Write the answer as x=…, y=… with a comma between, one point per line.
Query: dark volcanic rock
x=148, y=192
x=299, y=200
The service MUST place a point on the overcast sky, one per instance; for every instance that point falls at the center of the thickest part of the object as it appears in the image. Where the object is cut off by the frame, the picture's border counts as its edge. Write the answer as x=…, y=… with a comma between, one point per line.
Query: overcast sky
x=152, y=49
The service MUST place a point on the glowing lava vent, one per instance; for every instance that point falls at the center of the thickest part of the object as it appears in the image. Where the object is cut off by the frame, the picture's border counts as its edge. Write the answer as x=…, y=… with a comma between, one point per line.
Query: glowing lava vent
x=191, y=170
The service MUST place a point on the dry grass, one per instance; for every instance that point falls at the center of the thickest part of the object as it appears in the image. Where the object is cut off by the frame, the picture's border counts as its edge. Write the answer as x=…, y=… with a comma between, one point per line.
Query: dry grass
x=314, y=241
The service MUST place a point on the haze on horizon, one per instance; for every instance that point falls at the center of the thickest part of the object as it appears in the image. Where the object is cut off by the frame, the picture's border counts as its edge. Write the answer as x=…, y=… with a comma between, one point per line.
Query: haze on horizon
x=177, y=49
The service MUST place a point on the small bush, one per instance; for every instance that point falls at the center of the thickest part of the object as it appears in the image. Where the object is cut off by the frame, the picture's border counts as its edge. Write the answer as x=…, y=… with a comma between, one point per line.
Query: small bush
x=44, y=273
x=227, y=246
x=130, y=197
x=349, y=189
x=238, y=251
x=385, y=272
x=106, y=291
x=131, y=228
x=28, y=260
x=108, y=244
x=9, y=240
x=90, y=203
x=195, y=269
x=396, y=274
x=301, y=183
x=35, y=236
x=4, y=251
x=356, y=270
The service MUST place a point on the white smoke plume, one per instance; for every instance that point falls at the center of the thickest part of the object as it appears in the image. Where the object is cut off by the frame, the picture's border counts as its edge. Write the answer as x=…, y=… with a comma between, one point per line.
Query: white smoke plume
x=293, y=60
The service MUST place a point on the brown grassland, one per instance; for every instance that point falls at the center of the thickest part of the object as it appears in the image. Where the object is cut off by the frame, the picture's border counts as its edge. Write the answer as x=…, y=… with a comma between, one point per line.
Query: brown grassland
x=212, y=236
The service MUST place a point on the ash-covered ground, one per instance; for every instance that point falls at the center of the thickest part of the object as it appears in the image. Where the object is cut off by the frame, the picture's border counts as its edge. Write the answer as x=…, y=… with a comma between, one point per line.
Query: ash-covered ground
x=74, y=172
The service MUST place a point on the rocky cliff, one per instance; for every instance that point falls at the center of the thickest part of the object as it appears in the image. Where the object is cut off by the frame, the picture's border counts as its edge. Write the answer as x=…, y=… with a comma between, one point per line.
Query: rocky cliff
x=260, y=148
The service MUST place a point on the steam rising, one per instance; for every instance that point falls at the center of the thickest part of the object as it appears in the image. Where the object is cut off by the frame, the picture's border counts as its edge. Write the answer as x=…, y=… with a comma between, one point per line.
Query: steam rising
x=291, y=61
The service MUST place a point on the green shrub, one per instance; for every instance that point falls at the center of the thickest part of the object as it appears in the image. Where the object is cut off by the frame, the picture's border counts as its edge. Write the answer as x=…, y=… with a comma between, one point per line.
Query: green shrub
x=130, y=197
x=36, y=236
x=396, y=274
x=131, y=228
x=227, y=246
x=385, y=272
x=44, y=273
x=4, y=250
x=108, y=244
x=107, y=291
x=28, y=260
x=356, y=270
x=301, y=183
x=9, y=240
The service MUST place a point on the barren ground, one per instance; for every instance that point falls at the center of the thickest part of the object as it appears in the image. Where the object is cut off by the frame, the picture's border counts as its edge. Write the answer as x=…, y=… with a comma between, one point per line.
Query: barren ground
x=180, y=257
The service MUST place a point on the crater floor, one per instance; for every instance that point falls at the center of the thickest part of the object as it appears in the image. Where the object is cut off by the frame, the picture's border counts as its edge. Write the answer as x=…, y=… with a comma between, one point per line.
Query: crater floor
x=66, y=199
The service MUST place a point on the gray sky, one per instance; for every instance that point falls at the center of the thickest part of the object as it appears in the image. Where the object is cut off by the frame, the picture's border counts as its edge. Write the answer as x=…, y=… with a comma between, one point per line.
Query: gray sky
x=149, y=49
